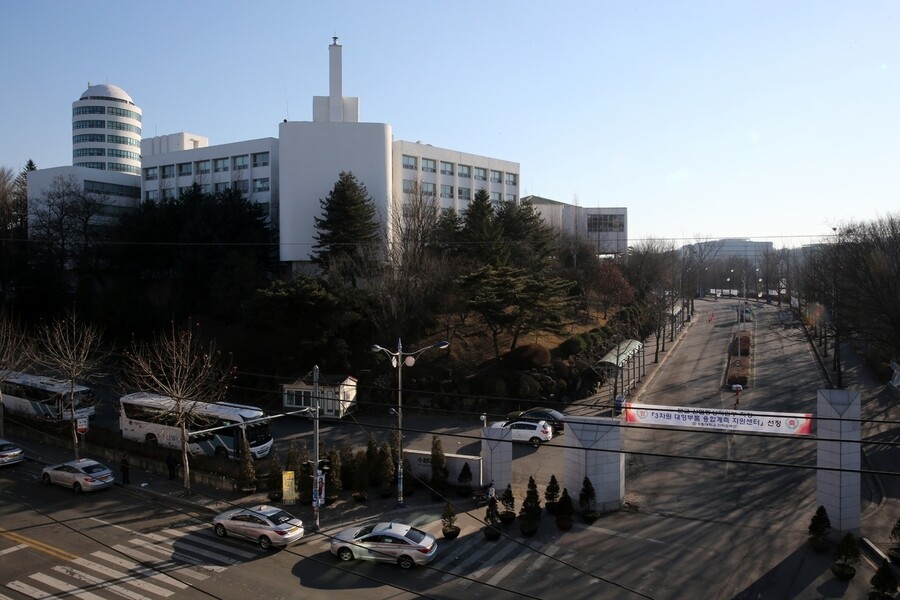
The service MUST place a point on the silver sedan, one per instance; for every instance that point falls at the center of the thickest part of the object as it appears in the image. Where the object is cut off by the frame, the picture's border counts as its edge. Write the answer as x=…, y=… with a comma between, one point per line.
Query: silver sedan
x=387, y=542
x=269, y=526
x=10, y=454
x=83, y=475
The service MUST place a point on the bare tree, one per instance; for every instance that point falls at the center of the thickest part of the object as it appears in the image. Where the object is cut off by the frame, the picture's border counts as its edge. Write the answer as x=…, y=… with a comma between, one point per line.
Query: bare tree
x=72, y=349
x=14, y=350
x=179, y=365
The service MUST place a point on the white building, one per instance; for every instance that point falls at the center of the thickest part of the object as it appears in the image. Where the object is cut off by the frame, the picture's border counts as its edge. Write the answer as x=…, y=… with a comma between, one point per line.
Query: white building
x=106, y=130
x=173, y=163
x=604, y=227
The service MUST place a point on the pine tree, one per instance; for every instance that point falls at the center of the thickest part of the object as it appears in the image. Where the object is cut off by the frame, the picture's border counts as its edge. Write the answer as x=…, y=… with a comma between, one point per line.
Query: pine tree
x=508, y=499
x=884, y=581
x=480, y=235
x=439, y=470
x=588, y=497
x=347, y=237
x=551, y=492
x=531, y=506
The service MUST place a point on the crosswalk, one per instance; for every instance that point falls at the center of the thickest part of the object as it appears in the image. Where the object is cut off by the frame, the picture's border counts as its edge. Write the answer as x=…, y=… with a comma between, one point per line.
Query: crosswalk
x=165, y=563
x=148, y=566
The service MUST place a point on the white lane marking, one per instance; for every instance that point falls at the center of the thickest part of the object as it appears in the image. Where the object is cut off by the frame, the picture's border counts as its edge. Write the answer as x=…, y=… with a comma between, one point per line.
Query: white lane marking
x=96, y=582
x=124, y=577
x=165, y=566
x=62, y=586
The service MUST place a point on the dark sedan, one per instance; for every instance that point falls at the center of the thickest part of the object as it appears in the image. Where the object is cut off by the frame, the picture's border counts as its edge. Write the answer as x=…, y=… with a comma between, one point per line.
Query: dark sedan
x=556, y=419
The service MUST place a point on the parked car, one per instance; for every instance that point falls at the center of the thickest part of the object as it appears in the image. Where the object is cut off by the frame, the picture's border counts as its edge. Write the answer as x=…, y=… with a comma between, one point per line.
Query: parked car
x=10, y=454
x=387, y=542
x=556, y=419
x=82, y=475
x=269, y=526
x=747, y=315
x=532, y=432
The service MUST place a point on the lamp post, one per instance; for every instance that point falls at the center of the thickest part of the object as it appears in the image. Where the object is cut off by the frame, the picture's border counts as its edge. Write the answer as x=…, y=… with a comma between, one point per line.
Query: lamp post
x=398, y=359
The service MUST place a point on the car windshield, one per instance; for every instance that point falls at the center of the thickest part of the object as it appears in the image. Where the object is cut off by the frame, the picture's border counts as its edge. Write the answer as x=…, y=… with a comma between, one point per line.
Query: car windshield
x=7, y=447
x=92, y=469
x=415, y=535
x=364, y=531
x=281, y=517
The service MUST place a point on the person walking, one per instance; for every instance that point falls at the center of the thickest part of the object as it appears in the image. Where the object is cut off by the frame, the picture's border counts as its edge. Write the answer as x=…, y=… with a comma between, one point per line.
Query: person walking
x=172, y=463
x=124, y=468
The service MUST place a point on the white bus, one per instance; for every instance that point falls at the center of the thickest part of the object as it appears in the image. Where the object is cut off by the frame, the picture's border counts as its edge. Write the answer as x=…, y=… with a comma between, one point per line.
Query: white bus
x=153, y=419
x=44, y=397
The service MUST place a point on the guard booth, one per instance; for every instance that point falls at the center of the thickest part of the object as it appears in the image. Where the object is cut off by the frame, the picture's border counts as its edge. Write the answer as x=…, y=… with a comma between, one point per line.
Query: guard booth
x=337, y=395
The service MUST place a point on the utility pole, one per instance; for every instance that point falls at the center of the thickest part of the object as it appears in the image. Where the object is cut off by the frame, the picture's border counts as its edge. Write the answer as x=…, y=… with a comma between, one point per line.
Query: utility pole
x=317, y=473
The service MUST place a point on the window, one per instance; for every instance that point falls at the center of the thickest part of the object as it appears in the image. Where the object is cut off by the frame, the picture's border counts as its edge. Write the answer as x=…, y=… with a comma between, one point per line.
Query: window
x=222, y=186
x=240, y=162
x=151, y=173
x=185, y=169
x=89, y=152
x=123, y=168
x=261, y=185
x=510, y=197
x=121, y=139
x=428, y=189
x=446, y=168
x=496, y=176
x=480, y=174
x=261, y=159
x=88, y=124
x=220, y=165
x=428, y=165
x=409, y=186
x=91, y=165
x=184, y=190
x=495, y=197
x=241, y=185
x=167, y=171
x=88, y=137
x=121, y=112
x=168, y=193
x=511, y=179
x=605, y=223
x=123, y=127
x=202, y=167
x=123, y=154
x=88, y=110
x=205, y=188
x=410, y=162
x=465, y=171
x=465, y=193
x=151, y=195
x=446, y=191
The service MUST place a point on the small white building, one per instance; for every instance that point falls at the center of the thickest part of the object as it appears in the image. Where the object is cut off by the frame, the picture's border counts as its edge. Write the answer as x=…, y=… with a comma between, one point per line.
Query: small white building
x=337, y=395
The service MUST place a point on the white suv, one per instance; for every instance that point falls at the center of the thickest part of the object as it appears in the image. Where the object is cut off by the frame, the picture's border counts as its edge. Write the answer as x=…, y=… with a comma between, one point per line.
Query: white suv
x=533, y=432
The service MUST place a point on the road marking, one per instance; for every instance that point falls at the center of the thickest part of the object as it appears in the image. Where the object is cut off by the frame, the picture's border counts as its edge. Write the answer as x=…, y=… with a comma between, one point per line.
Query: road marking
x=509, y=548
x=30, y=591
x=171, y=554
x=64, y=587
x=471, y=558
x=165, y=566
x=506, y=570
x=96, y=582
x=12, y=549
x=206, y=539
x=41, y=546
x=124, y=577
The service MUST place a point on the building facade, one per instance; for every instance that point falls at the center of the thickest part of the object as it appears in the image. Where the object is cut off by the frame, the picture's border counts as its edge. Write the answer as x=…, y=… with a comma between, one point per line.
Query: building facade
x=606, y=228
x=106, y=130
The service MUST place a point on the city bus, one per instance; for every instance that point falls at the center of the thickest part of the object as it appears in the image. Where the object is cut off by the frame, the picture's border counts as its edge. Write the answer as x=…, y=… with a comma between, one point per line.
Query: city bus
x=44, y=397
x=214, y=429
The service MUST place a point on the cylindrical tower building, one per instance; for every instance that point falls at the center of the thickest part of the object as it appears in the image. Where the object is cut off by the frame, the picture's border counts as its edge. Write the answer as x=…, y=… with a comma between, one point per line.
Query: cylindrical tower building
x=106, y=130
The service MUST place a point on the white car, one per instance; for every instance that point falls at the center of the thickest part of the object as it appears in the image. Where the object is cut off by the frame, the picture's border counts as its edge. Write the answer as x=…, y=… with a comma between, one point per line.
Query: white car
x=269, y=526
x=532, y=432
x=82, y=475
x=386, y=542
x=10, y=454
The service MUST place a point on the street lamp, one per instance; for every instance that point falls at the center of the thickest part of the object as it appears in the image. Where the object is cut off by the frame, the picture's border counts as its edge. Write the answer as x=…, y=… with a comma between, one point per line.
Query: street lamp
x=398, y=359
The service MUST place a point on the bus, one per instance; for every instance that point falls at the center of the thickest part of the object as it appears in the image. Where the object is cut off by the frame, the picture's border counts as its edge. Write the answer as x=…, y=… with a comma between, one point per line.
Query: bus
x=44, y=397
x=153, y=419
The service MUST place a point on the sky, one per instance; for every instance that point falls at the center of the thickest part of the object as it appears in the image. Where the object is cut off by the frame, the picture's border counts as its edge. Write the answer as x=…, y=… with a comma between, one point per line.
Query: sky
x=767, y=120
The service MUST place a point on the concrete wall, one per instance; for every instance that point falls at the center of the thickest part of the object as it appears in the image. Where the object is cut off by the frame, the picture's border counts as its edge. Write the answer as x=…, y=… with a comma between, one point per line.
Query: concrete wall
x=594, y=450
x=838, y=430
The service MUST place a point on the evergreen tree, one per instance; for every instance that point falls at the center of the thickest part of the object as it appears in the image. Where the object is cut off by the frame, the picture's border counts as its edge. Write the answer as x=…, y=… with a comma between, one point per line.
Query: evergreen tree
x=820, y=524
x=348, y=465
x=347, y=238
x=508, y=499
x=884, y=581
x=531, y=506
x=480, y=236
x=530, y=244
x=588, y=497
x=439, y=470
x=551, y=492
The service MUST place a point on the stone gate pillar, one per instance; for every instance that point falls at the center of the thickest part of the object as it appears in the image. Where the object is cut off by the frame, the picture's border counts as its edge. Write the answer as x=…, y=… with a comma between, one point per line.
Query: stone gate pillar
x=594, y=450
x=838, y=430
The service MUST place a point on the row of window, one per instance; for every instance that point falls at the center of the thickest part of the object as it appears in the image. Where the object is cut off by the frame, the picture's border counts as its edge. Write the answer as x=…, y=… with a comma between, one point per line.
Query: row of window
x=605, y=223
x=113, y=189
x=241, y=185
x=464, y=171
x=202, y=167
x=99, y=124
x=94, y=138
x=103, y=110
x=463, y=193
x=113, y=152
x=118, y=167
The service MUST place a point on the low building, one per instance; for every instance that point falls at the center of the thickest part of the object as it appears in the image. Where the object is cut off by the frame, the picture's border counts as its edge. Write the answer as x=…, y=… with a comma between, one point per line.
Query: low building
x=337, y=395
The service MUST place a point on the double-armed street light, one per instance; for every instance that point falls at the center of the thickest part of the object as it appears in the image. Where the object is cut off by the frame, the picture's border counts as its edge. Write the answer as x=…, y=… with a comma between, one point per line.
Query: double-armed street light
x=398, y=359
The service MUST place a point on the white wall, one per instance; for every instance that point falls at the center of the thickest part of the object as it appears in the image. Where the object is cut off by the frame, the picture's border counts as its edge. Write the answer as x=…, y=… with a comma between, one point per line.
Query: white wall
x=312, y=156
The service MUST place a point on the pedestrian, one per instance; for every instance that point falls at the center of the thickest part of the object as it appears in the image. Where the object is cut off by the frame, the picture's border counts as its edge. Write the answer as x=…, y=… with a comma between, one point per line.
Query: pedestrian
x=124, y=467
x=172, y=463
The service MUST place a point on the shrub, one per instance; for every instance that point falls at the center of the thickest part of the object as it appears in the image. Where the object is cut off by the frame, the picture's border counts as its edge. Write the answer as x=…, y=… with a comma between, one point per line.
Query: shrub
x=531, y=506
x=884, y=581
x=564, y=507
x=848, y=551
x=275, y=478
x=248, y=469
x=448, y=518
x=587, y=499
x=348, y=465
x=439, y=471
x=820, y=524
x=507, y=499
x=492, y=514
